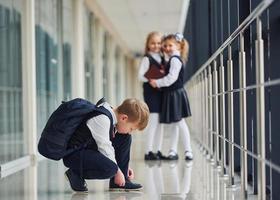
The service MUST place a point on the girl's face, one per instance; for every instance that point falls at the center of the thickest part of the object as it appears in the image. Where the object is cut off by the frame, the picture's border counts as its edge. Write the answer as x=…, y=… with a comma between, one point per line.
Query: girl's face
x=154, y=44
x=169, y=46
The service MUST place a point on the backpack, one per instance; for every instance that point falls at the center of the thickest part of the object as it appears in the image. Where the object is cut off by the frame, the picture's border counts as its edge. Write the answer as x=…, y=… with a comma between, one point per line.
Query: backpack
x=63, y=123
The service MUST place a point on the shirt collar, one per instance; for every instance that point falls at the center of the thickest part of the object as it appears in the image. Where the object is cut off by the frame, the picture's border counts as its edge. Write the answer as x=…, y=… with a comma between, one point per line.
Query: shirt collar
x=176, y=53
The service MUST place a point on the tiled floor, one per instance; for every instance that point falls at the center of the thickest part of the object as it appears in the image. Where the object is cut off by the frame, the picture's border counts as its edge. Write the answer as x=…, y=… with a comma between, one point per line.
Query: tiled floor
x=197, y=180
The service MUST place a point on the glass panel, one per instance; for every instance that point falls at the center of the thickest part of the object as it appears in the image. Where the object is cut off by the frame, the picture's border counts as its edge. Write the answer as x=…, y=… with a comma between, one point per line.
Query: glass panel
x=117, y=76
x=105, y=66
x=68, y=30
x=54, y=37
x=46, y=59
x=89, y=54
x=11, y=128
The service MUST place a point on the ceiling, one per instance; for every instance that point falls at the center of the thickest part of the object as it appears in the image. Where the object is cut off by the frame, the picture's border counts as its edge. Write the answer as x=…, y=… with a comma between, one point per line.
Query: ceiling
x=134, y=19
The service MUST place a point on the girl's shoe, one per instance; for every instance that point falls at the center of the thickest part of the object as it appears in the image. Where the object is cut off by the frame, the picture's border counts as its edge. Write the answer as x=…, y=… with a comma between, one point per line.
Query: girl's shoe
x=188, y=155
x=172, y=156
x=161, y=156
x=151, y=156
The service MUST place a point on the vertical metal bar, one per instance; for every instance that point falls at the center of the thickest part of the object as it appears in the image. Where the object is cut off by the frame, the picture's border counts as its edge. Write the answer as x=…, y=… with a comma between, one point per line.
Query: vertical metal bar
x=230, y=117
x=222, y=113
x=243, y=117
x=202, y=109
x=210, y=113
x=216, y=113
x=206, y=110
x=197, y=107
x=199, y=110
x=260, y=110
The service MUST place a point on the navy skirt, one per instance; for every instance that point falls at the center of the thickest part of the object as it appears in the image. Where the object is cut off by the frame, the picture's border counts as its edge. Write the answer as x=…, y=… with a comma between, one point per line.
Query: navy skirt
x=175, y=106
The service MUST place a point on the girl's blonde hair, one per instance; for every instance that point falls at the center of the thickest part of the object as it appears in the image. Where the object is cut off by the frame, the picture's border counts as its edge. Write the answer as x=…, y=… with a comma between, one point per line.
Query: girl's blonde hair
x=149, y=37
x=184, y=45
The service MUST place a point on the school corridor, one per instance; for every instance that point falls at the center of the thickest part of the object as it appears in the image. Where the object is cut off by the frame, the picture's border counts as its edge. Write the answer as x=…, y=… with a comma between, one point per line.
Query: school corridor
x=58, y=50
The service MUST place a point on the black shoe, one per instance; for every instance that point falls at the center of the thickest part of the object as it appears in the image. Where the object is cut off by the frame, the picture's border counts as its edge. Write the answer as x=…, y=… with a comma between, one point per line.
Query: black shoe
x=77, y=183
x=129, y=186
x=188, y=155
x=161, y=156
x=151, y=156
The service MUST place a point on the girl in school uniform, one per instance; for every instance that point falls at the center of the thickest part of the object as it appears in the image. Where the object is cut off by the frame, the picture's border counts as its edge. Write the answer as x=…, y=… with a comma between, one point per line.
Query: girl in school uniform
x=152, y=96
x=175, y=103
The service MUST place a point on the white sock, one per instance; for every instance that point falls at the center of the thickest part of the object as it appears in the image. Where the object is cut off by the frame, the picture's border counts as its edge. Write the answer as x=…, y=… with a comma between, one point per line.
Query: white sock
x=150, y=131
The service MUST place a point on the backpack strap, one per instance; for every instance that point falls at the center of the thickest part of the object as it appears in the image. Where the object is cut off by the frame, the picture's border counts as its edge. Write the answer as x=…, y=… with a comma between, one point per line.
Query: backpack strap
x=106, y=112
x=100, y=101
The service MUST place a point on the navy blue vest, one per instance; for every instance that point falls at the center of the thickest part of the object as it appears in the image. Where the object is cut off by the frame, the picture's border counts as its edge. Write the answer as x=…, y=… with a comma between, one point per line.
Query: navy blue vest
x=179, y=83
x=146, y=86
x=83, y=136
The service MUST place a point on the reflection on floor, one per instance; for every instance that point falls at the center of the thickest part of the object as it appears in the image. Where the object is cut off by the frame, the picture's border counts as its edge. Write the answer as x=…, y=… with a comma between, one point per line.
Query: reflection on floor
x=196, y=180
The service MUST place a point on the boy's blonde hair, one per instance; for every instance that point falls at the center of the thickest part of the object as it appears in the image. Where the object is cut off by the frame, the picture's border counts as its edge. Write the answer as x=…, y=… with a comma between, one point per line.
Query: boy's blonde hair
x=136, y=110
x=184, y=45
x=149, y=37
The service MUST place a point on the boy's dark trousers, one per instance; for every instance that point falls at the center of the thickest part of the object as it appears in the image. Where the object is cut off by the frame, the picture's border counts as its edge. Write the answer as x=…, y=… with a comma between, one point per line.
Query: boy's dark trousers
x=91, y=164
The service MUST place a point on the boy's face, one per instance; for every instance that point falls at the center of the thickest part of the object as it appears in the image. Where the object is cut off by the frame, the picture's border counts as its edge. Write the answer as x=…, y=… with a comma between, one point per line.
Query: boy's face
x=124, y=126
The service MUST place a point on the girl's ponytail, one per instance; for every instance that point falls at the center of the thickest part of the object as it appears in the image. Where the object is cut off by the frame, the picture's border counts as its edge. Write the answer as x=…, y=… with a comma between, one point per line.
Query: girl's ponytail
x=184, y=51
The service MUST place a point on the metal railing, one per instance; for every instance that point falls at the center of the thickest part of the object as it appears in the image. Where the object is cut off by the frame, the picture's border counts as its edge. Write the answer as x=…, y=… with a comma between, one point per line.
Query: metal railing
x=213, y=105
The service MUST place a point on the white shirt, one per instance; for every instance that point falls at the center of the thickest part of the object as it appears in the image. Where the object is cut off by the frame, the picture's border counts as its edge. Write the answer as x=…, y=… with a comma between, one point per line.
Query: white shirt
x=172, y=76
x=145, y=64
x=99, y=127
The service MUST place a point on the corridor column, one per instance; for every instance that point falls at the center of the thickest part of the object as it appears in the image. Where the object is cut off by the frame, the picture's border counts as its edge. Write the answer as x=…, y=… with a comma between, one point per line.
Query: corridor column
x=78, y=68
x=29, y=78
x=112, y=72
x=98, y=61
x=122, y=77
x=29, y=91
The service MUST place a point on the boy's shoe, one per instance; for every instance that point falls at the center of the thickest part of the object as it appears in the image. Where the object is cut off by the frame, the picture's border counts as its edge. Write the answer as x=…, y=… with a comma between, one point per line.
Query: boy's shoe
x=77, y=183
x=129, y=186
x=161, y=156
x=188, y=155
x=151, y=156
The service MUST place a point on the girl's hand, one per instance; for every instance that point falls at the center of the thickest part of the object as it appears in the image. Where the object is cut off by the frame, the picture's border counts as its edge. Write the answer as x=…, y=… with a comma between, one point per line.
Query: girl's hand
x=153, y=83
x=130, y=174
x=119, y=178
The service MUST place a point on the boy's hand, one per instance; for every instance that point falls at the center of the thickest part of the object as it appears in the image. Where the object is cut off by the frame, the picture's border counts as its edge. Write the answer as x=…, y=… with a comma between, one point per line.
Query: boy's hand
x=130, y=174
x=119, y=178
